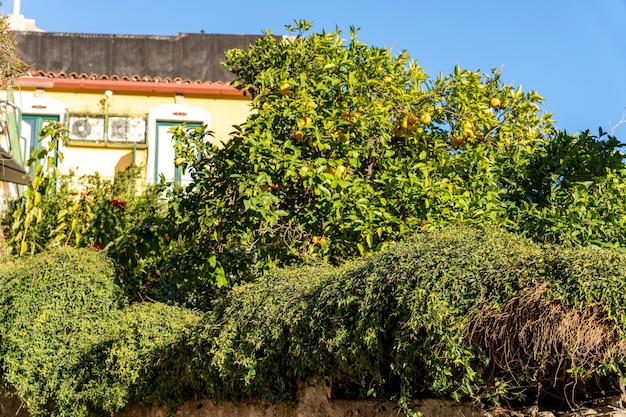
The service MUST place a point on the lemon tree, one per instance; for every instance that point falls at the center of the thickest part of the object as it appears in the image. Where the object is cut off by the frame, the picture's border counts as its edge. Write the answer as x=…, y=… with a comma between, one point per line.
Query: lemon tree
x=349, y=146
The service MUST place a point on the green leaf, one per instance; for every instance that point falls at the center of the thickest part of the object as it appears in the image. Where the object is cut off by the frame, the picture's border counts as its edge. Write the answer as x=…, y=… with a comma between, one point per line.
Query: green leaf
x=220, y=277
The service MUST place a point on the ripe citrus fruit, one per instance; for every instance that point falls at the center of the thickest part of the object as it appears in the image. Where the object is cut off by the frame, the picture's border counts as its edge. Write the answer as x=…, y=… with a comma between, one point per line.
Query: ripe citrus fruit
x=285, y=89
x=457, y=141
x=495, y=103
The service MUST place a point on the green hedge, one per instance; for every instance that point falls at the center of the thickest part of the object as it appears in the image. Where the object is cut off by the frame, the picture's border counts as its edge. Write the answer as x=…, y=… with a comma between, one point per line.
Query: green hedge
x=382, y=326
x=68, y=340
x=461, y=313
x=407, y=322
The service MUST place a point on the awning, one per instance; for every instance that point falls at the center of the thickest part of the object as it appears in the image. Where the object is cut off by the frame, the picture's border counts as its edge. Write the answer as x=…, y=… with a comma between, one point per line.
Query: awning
x=10, y=170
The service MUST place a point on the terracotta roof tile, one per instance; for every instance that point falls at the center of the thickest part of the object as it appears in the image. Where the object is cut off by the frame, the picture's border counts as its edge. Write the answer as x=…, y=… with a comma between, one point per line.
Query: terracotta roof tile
x=116, y=77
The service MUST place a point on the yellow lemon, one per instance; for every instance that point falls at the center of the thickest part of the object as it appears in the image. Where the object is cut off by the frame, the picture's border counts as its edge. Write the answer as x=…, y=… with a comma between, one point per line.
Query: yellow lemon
x=495, y=103
x=285, y=89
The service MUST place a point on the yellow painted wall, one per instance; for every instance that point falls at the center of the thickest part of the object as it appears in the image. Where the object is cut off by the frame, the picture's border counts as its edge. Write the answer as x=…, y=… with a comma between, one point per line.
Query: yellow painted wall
x=87, y=160
x=224, y=111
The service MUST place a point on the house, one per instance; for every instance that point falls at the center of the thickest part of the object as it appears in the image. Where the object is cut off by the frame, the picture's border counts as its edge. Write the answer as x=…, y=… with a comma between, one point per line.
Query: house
x=120, y=94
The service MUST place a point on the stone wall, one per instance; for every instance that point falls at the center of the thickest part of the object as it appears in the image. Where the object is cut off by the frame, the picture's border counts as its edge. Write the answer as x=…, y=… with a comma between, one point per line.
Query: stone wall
x=313, y=402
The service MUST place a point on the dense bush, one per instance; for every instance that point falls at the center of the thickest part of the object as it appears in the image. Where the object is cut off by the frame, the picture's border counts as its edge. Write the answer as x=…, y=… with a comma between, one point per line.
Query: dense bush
x=391, y=324
x=68, y=341
x=461, y=313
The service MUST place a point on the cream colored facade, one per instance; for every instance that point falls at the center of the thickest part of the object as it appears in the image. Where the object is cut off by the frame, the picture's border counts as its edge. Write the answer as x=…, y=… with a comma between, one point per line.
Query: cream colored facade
x=93, y=110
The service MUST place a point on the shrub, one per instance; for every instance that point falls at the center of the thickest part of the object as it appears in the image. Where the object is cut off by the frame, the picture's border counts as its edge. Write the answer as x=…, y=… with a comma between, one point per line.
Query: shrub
x=461, y=313
x=67, y=341
x=429, y=316
x=50, y=306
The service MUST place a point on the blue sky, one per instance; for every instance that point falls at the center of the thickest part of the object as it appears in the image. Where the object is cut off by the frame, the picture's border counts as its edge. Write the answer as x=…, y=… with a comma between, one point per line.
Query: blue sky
x=572, y=52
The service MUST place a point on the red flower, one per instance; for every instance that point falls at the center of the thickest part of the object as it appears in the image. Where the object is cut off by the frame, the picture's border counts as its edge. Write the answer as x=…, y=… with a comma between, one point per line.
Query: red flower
x=118, y=203
x=96, y=246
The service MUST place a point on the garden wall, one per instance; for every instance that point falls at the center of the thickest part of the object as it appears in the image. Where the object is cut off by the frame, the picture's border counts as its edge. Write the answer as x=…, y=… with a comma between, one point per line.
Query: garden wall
x=313, y=402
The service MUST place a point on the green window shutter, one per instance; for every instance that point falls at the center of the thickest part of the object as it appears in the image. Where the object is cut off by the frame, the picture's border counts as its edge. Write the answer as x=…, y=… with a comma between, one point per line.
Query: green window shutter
x=30, y=130
x=164, y=152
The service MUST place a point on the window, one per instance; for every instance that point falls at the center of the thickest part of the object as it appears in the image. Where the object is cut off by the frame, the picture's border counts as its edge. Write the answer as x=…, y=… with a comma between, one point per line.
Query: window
x=165, y=154
x=30, y=132
x=161, y=154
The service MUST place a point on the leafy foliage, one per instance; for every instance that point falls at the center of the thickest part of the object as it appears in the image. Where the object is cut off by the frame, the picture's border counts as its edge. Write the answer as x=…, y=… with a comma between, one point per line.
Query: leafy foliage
x=68, y=343
x=572, y=192
x=349, y=148
x=30, y=218
x=566, y=160
x=398, y=324
x=119, y=217
x=419, y=318
x=387, y=325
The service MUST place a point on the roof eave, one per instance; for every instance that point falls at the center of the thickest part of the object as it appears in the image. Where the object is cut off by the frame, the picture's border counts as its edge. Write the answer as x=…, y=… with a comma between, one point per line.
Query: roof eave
x=129, y=86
